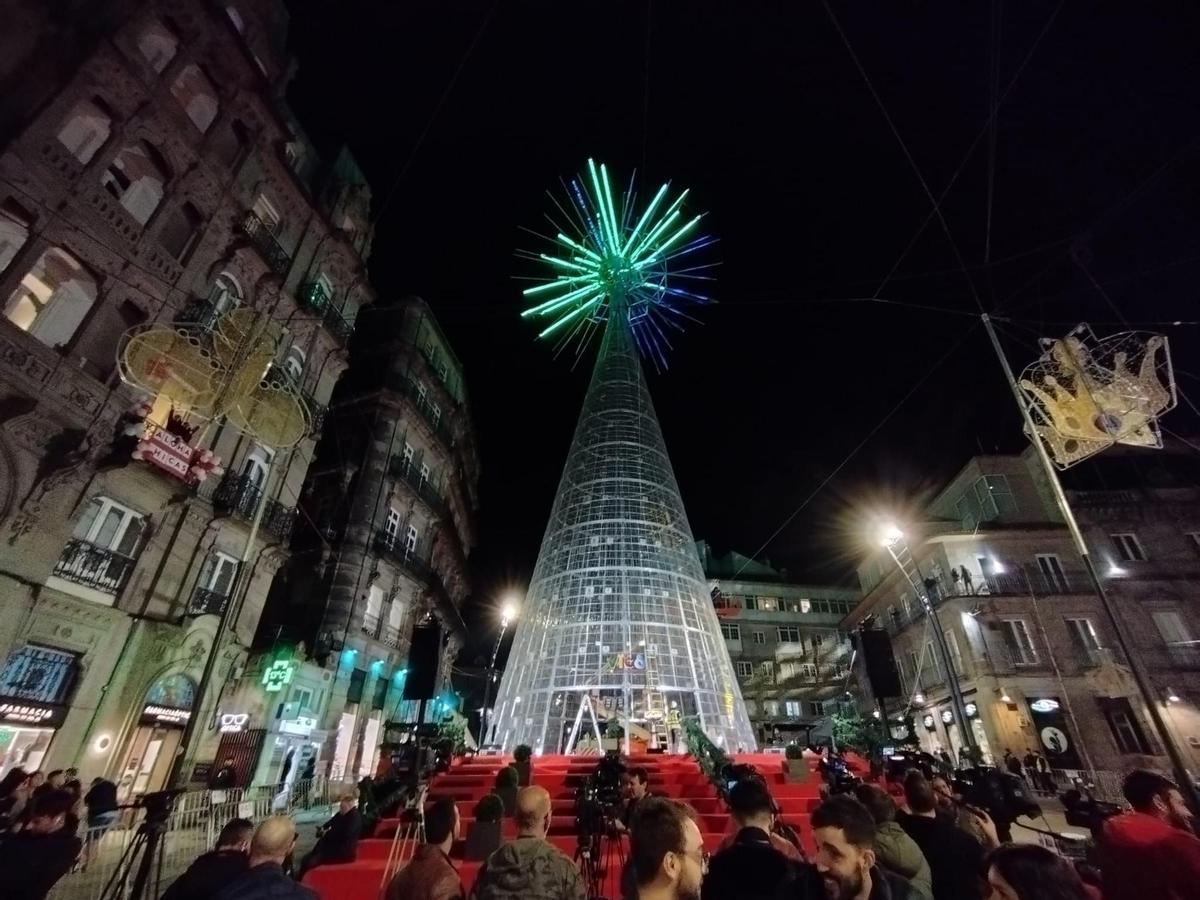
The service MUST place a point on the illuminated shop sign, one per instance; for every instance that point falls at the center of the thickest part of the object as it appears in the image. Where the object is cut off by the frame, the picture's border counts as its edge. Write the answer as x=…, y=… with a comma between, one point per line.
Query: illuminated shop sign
x=301, y=725
x=278, y=675
x=153, y=714
x=1044, y=705
x=22, y=712
x=232, y=723
x=627, y=661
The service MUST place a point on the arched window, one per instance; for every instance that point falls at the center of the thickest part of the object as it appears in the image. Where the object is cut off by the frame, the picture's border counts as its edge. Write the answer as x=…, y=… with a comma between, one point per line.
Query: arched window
x=52, y=298
x=196, y=95
x=136, y=177
x=293, y=363
x=14, y=231
x=158, y=44
x=86, y=129
x=226, y=293
x=181, y=232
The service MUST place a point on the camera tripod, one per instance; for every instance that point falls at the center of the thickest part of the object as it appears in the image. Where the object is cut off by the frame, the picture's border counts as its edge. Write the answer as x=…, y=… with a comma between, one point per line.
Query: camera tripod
x=143, y=857
x=598, y=855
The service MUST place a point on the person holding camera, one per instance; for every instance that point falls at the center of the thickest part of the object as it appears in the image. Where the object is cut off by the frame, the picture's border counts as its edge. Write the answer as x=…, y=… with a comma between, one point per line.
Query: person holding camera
x=974, y=821
x=634, y=789
x=1152, y=850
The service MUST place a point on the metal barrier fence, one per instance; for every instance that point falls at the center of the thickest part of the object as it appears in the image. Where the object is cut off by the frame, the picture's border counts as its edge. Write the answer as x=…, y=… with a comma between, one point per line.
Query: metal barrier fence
x=191, y=829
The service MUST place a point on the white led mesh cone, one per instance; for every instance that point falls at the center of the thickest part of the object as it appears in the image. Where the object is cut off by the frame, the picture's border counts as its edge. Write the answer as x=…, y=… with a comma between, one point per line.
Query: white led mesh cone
x=618, y=607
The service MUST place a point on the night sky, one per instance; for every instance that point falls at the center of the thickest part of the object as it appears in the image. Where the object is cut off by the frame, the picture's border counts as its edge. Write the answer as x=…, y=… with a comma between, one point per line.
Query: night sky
x=760, y=110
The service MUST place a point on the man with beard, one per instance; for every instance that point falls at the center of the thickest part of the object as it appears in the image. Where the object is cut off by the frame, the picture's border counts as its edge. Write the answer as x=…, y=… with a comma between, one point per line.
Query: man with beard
x=1151, y=851
x=845, y=835
x=667, y=851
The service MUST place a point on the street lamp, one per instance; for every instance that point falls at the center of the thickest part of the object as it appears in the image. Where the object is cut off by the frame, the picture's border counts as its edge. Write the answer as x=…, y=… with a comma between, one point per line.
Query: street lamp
x=508, y=612
x=893, y=541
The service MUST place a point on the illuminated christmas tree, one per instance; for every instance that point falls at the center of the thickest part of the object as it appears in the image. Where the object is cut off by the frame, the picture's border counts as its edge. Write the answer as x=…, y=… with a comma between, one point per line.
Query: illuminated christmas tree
x=618, y=624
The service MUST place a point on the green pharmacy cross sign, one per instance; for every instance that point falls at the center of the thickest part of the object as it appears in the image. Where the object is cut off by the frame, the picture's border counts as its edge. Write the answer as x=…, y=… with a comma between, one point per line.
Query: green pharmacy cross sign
x=278, y=675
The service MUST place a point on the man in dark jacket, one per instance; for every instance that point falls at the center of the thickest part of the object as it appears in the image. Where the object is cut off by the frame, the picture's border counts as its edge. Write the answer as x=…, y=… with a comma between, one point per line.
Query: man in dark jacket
x=1152, y=851
x=273, y=841
x=32, y=861
x=530, y=868
x=337, y=839
x=955, y=858
x=217, y=868
x=430, y=875
x=101, y=801
x=845, y=836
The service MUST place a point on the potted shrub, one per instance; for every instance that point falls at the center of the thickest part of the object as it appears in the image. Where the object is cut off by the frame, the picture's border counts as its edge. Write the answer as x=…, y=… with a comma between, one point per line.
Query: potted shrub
x=613, y=733
x=795, y=764
x=521, y=762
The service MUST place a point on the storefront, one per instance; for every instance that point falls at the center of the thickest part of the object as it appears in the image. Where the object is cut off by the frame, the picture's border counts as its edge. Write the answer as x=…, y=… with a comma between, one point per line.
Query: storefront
x=152, y=747
x=290, y=752
x=34, y=687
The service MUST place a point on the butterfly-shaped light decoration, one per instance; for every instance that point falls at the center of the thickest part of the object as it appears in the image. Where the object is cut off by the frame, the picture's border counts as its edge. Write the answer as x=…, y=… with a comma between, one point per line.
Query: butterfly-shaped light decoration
x=225, y=373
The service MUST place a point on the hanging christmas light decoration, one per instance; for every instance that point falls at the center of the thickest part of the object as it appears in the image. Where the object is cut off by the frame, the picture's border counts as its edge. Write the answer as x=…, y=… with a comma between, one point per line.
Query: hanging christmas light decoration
x=1087, y=393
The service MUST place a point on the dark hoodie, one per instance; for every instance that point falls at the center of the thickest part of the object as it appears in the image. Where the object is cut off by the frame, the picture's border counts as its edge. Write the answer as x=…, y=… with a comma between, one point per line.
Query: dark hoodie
x=529, y=868
x=1144, y=857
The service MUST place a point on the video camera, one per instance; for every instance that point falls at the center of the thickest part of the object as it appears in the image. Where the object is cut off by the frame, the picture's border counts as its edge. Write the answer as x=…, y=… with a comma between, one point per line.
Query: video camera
x=598, y=797
x=1000, y=794
x=1085, y=811
x=157, y=804
x=838, y=777
x=899, y=763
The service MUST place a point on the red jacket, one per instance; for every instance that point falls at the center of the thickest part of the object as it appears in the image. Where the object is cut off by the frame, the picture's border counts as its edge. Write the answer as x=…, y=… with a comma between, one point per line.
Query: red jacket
x=1144, y=858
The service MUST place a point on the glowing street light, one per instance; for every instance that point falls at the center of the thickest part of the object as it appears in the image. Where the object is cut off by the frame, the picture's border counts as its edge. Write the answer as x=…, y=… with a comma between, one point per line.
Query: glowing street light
x=508, y=612
x=891, y=536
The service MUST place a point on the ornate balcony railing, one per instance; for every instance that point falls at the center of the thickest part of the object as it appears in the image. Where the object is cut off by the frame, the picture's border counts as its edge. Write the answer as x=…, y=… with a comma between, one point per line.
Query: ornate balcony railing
x=390, y=636
x=200, y=312
x=316, y=411
x=264, y=241
x=438, y=424
x=405, y=471
x=205, y=602
x=338, y=325
x=314, y=296
x=370, y=624
x=96, y=567
x=394, y=547
x=238, y=495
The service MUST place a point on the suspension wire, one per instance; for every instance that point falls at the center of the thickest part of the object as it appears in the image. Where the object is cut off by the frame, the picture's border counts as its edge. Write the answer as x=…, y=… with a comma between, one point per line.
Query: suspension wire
x=462, y=64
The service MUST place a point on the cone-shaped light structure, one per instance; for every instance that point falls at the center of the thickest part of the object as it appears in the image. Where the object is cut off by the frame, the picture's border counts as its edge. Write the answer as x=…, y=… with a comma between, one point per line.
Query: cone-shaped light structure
x=618, y=609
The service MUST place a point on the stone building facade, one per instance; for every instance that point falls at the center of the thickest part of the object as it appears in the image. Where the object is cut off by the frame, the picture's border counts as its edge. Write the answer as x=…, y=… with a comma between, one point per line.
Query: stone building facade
x=790, y=658
x=149, y=176
x=380, y=554
x=1037, y=660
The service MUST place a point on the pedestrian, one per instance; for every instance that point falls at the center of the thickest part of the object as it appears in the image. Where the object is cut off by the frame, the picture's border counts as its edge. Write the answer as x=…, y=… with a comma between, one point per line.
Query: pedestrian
x=954, y=857
x=1043, y=774
x=667, y=852
x=35, y=858
x=1012, y=763
x=430, y=875
x=486, y=833
x=101, y=803
x=505, y=787
x=966, y=579
x=753, y=863
x=1029, y=764
x=1031, y=872
x=530, y=867
x=337, y=839
x=895, y=851
x=212, y=871
x=955, y=579
x=13, y=796
x=264, y=879
x=974, y=821
x=226, y=776
x=1150, y=852
x=845, y=836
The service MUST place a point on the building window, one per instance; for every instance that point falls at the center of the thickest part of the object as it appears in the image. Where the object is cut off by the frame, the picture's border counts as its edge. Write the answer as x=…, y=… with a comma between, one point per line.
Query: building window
x=1052, y=571
x=379, y=695
x=103, y=546
x=266, y=212
x=218, y=573
x=88, y=126
x=196, y=95
x=952, y=646
x=989, y=498
x=302, y=699
x=374, y=611
x=750, y=603
x=771, y=708
x=422, y=393
x=767, y=668
x=1129, y=548
x=424, y=472
x=1126, y=731
x=15, y=223
x=231, y=144
x=38, y=673
x=791, y=708
x=760, y=637
x=435, y=414
x=293, y=363
x=1175, y=633
x=1019, y=642
x=392, y=525
x=408, y=453
x=745, y=668
x=158, y=45
x=788, y=634
x=226, y=293
x=1083, y=636
x=816, y=707
x=410, y=539
x=52, y=299
x=731, y=631
x=181, y=231
x=354, y=691
x=136, y=177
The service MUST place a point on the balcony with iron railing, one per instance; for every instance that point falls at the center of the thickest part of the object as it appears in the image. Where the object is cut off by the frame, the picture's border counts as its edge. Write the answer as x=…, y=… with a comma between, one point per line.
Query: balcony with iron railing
x=206, y=602
x=238, y=495
x=394, y=548
x=438, y=424
x=200, y=312
x=265, y=243
x=92, y=566
x=316, y=297
x=405, y=471
x=370, y=624
x=440, y=370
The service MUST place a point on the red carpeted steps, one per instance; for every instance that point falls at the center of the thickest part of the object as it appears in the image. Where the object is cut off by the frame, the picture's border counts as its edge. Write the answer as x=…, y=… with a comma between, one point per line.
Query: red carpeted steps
x=677, y=777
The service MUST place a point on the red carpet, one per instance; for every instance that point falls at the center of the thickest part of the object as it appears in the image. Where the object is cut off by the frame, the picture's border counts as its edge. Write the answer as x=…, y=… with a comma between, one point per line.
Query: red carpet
x=677, y=777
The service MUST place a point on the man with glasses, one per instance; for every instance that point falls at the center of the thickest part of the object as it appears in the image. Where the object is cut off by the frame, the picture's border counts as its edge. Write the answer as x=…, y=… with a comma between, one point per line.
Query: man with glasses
x=667, y=851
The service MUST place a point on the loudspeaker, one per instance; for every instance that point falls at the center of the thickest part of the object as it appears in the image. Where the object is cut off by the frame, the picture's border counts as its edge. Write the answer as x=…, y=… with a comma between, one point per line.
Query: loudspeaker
x=423, y=661
x=876, y=649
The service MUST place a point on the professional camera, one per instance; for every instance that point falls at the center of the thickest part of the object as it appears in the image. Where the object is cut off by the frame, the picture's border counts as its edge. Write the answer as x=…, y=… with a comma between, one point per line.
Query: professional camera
x=1085, y=811
x=899, y=763
x=598, y=797
x=158, y=804
x=1000, y=794
x=838, y=777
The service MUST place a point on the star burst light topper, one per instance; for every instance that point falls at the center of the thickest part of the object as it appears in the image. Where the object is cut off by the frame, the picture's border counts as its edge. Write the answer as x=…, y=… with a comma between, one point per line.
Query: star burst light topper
x=611, y=260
